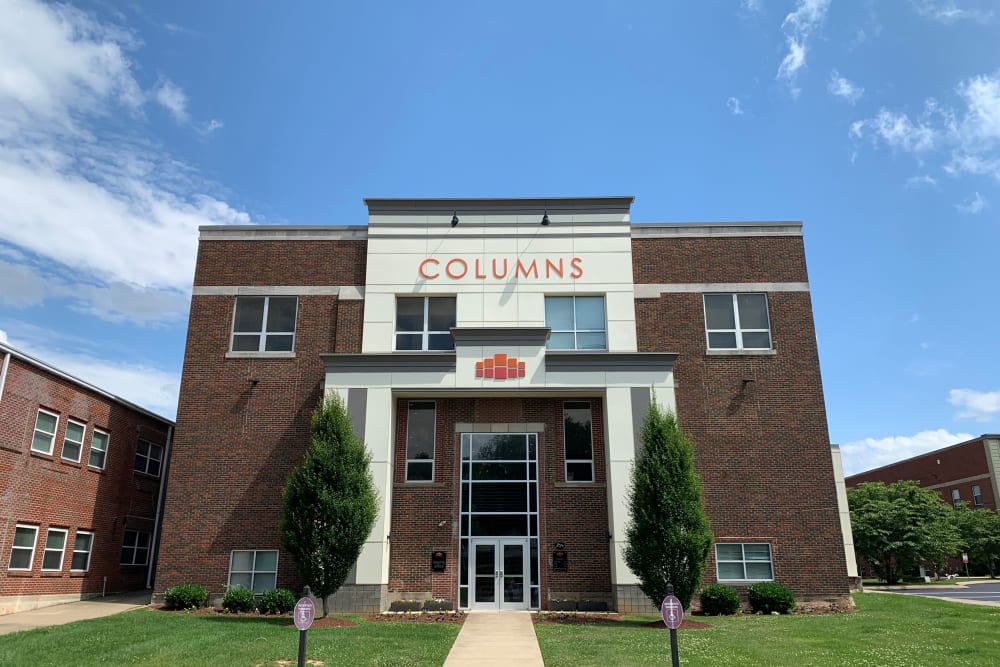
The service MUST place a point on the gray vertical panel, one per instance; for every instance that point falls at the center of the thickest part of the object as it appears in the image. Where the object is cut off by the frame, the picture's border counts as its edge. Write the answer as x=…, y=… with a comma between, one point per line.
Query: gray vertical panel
x=357, y=408
x=640, y=404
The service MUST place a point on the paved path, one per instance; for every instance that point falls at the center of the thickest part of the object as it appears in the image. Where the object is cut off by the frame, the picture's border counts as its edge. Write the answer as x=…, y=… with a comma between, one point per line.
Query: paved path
x=72, y=611
x=972, y=593
x=496, y=638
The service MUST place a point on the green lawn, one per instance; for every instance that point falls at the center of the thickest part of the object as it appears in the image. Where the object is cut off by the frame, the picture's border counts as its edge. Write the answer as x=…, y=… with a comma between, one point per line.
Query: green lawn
x=886, y=630
x=147, y=637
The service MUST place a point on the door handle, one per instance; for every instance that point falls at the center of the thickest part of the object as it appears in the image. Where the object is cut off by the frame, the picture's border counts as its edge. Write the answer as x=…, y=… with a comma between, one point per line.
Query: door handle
x=496, y=573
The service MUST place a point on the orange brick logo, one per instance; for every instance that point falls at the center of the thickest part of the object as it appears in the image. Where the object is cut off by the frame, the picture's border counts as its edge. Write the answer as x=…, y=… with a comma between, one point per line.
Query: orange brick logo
x=500, y=367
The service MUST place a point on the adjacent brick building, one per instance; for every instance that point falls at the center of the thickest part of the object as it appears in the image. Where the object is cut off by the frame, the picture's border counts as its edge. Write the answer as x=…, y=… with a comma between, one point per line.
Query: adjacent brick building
x=497, y=356
x=966, y=472
x=80, y=480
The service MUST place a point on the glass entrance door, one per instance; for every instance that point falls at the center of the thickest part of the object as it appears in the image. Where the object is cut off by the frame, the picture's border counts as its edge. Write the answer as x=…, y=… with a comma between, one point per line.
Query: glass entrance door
x=498, y=568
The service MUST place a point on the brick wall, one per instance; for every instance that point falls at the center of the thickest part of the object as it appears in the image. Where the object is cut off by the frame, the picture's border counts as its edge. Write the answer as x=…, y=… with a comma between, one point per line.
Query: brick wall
x=50, y=491
x=758, y=422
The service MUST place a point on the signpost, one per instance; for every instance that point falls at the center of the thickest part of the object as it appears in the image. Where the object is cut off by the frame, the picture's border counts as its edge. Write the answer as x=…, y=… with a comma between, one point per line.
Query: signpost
x=965, y=559
x=673, y=615
x=304, y=613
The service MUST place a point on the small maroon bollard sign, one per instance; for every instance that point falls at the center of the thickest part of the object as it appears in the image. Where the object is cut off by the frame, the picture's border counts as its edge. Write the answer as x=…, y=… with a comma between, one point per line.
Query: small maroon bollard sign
x=305, y=612
x=672, y=612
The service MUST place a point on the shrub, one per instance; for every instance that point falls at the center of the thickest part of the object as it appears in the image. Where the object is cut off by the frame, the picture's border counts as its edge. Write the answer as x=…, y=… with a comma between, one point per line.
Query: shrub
x=767, y=597
x=719, y=600
x=237, y=599
x=188, y=596
x=277, y=601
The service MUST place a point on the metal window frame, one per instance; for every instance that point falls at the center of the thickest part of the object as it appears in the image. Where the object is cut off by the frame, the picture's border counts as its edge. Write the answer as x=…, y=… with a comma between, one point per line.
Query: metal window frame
x=567, y=460
x=977, y=496
x=62, y=552
x=13, y=547
x=83, y=438
x=148, y=458
x=576, y=330
x=253, y=572
x=739, y=330
x=425, y=332
x=81, y=551
x=406, y=444
x=263, y=333
x=743, y=561
x=52, y=436
x=136, y=548
x=107, y=445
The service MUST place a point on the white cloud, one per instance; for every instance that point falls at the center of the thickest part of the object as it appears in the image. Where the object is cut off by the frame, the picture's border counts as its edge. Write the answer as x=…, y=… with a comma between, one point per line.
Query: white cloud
x=798, y=26
x=173, y=99
x=982, y=98
x=734, y=106
x=981, y=406
x=752, y=5
x=869, y=453
x=210, y=127
x=948, y=11
x=844, y=88
x=3, y=336
x=973, y=205
x=921, y=181
x=112, y=215
x=898, y=131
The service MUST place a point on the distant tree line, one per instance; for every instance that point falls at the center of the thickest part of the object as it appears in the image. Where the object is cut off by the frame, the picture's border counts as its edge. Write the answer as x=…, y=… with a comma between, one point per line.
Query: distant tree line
x=900, y=526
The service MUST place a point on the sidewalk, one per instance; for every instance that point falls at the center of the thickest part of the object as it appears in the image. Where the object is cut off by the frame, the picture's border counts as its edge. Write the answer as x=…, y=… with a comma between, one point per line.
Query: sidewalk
x=496, y=638
x=72, y=611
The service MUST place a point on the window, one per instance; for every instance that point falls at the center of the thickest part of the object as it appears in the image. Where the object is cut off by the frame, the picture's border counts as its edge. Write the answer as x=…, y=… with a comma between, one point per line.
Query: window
x=148, y=457
x=73, y=440
x=425, y=322
x=264, y=324
x=135, y=548
x=256, y=570
x=45, y=432
x=956, y=498
x=737, y=322
x=98, y=449
x=977, y=496
x=55, y=547
x=578, y=441
x=744, y=562
x=22, y=554
x=577, y=323
x=420, y=441
x=81, y=551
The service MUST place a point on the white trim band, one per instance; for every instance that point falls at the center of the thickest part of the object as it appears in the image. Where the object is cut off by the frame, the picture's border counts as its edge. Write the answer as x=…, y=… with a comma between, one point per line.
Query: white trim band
x=348, y=292
x=653, y=291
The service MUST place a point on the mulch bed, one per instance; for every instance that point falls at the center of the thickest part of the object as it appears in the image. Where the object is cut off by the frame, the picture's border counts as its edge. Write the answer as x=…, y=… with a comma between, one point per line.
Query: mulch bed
x=449, y=617
x=558, y=618
x=328, y=622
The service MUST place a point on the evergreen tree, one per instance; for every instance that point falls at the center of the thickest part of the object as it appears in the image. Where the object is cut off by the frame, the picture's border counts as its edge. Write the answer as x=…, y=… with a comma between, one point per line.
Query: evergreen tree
x=668, y=534
x=330, y=503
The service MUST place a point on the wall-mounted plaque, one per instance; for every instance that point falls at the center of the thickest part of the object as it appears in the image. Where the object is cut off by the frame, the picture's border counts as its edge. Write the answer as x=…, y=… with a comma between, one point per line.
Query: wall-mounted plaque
x=439, y=560
x=559, y=560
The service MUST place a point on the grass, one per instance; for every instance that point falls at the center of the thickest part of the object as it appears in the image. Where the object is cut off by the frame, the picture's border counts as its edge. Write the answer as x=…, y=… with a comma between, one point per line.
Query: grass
x=151, y=638
x=886, y=630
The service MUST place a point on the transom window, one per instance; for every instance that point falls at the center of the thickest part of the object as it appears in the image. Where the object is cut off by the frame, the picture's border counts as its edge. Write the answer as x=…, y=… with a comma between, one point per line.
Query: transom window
x=750, y=561
x=135, y=548
x=579, y=441
x=737, y=322
x=98, y=449
x=22, y=553
x=420, y=418
x=425, y=322
x=977, y=496
x=46, y=424
x=256, y=570
x=264, y=324
x=82, y=547
x=148, y=457
x=577, y=323
x=73, y=440
x=55, y=547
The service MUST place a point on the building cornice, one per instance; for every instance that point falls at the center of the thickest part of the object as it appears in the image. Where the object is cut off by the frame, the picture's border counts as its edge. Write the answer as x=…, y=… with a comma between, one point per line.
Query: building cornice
x=486, y=205
x=659, y=230
x=282, y=233
x=500, y=335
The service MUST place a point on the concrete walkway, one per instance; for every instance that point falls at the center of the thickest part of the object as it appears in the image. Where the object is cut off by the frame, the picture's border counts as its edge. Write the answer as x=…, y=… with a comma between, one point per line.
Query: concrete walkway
x=496, y=638
x=72, y=611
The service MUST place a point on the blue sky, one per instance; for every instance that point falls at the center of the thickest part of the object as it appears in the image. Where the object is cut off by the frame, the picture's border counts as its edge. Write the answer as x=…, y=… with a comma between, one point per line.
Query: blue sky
x=124, y=126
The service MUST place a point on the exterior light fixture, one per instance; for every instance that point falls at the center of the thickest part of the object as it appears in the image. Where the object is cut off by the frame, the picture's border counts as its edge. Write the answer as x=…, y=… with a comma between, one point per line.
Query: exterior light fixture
x=545, y=219
x=454, y=218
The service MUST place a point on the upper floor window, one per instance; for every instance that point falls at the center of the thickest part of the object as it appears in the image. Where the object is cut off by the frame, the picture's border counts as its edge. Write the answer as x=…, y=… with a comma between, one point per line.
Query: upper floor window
x=264, y=324
x=737, y=322
x=743, y=562
x=577, y=323
x=977, y=496
x=425, y=322
x=148, y=457
x=22, y=553
x=579, y=443
x=98, y=449
x=956, y=498
x=420, y=418
x=73, y=440
x=46, y=424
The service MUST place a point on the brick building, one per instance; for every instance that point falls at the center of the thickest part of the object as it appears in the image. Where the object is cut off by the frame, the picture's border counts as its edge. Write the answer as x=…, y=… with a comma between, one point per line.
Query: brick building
x=80, y=473
x=967, y=472
x=498, y=356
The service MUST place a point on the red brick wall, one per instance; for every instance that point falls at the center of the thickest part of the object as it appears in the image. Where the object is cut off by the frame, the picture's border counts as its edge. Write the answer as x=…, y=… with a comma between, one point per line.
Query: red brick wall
x=576, y=514
x=48, y=491
x=243, y=423
x=758, y=422
x=941, y=469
